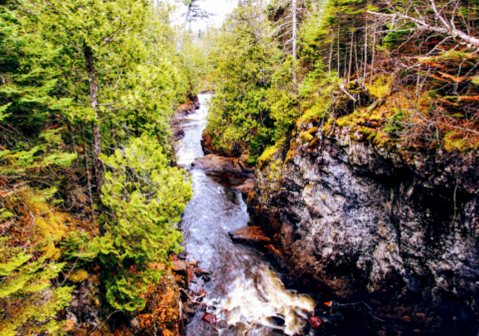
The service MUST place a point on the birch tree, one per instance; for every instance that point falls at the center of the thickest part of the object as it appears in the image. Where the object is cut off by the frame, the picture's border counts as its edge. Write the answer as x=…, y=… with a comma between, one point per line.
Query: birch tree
x=286, y=16
x=193, y=12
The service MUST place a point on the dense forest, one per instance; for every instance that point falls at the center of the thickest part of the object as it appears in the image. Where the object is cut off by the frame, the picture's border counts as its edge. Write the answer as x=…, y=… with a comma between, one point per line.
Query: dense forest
x=89, y=189
x=87, y=186
x=402, y=73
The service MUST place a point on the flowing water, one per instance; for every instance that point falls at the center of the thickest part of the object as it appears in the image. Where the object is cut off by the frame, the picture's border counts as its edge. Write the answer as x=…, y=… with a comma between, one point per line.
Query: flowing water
x=244, y=288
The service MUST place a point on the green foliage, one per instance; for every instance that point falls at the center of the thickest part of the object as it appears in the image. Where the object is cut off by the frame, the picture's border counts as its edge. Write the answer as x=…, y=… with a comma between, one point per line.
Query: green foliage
x=146, y=198
x=28, y=302
x=47, y=153
x=240, y=113
x=46, y=119
x=396, y=123
x=138, y=82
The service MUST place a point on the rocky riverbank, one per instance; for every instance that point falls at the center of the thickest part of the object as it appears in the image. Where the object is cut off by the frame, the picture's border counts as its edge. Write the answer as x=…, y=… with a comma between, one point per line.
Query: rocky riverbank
x=191, y=104
x=398, y=228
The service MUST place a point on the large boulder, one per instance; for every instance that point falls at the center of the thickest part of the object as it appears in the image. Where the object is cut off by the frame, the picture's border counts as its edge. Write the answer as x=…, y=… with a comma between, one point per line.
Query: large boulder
x=216, y=163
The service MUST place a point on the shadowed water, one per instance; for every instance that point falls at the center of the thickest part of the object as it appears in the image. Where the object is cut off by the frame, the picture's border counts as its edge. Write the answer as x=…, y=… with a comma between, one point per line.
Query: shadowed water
x=244, y=287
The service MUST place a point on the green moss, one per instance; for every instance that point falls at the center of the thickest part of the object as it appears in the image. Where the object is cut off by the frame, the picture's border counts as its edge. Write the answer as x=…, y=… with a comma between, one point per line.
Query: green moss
x=368, y=132
x=266, y=156
x=289, y=155
x=307, y=136
x=275, y=172
x=327, y=127
x=344, y=122
x=78, y=276
x=381, y=86
x=454, y=141
x=315, y=113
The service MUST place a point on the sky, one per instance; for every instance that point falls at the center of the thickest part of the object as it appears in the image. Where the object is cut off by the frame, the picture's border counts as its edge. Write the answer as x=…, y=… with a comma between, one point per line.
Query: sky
x=220, y=8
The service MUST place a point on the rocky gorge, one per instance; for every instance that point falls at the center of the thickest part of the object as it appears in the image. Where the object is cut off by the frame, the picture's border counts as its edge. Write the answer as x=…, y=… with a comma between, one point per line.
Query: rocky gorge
x=394, y=227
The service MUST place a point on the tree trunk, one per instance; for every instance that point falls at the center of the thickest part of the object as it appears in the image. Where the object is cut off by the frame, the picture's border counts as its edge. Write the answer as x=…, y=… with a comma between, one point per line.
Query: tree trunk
x=350, y=56
x=365, y=63
x=295, y=37
x=339, y=49
x=372, y=60
x=97, y=164
x=330, y=55
x=178, y=47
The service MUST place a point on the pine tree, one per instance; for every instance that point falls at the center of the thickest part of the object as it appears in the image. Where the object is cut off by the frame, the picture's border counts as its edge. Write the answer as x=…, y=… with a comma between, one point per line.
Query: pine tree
x=146, y=199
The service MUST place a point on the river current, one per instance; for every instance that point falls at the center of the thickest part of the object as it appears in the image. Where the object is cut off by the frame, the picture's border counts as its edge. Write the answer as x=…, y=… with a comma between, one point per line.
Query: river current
x=244, y=290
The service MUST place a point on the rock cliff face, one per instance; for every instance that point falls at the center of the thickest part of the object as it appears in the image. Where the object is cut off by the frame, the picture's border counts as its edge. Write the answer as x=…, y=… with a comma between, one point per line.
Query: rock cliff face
x=398, y=228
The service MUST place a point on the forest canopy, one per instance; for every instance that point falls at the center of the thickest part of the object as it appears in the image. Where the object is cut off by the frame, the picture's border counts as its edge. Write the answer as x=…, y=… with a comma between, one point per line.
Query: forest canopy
x=401, y=73
x=87, y=186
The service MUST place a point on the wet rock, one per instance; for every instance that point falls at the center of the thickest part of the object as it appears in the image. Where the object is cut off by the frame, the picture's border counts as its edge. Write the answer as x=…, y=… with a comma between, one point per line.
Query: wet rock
x=315, y=322
x=246, y=187
x=190, y=275
x=236, y=330
x=209, y=318
x=216, y=163
x=193, y=263
x=182, y=255
x=178, y=266
x=276, y=320
x=189, y=309
x=250, y=235
x=198, y=327
x=200, y=272
x=206, y=144
x=179, y=134
x=201, y=308
x=222, y=324
x=191, y=105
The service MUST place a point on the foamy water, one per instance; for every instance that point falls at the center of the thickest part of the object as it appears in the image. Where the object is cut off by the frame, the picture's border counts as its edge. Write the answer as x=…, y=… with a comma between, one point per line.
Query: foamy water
x=244, y=287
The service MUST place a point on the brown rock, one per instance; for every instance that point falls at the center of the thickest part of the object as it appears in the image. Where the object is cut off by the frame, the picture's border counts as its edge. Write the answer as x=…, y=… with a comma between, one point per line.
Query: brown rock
x=199, y=272
x=190, y=275
x=179, y=266
x=206, y=144
x=209, y=318
x=216, y=163
x=246, y=187
x=193, y=263
x=250, y=234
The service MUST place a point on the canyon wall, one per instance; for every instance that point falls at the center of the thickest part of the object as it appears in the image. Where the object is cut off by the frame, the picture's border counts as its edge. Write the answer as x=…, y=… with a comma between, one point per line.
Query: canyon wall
x=396, y=227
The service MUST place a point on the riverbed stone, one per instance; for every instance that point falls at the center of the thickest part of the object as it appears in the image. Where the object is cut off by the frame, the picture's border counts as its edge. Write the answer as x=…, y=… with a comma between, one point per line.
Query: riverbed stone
x=250, y=235
x=193, y=263
x=179, y=266
x=217, y=163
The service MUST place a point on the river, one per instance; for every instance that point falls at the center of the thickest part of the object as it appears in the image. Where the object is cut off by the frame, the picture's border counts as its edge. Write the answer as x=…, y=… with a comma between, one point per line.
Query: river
x=244, y=291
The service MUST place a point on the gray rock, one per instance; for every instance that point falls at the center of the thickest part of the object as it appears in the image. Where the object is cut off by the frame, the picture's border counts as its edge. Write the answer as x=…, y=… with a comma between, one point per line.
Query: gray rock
x=363, y=219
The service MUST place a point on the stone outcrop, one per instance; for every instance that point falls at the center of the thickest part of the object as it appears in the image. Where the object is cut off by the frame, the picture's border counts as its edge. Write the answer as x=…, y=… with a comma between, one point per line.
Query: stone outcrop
x=398, y=228
x=250, y=235
x=216, y=163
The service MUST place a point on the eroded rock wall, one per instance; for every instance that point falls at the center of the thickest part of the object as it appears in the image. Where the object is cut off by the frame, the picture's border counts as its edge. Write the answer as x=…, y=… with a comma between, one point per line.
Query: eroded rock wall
x=399, y=228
